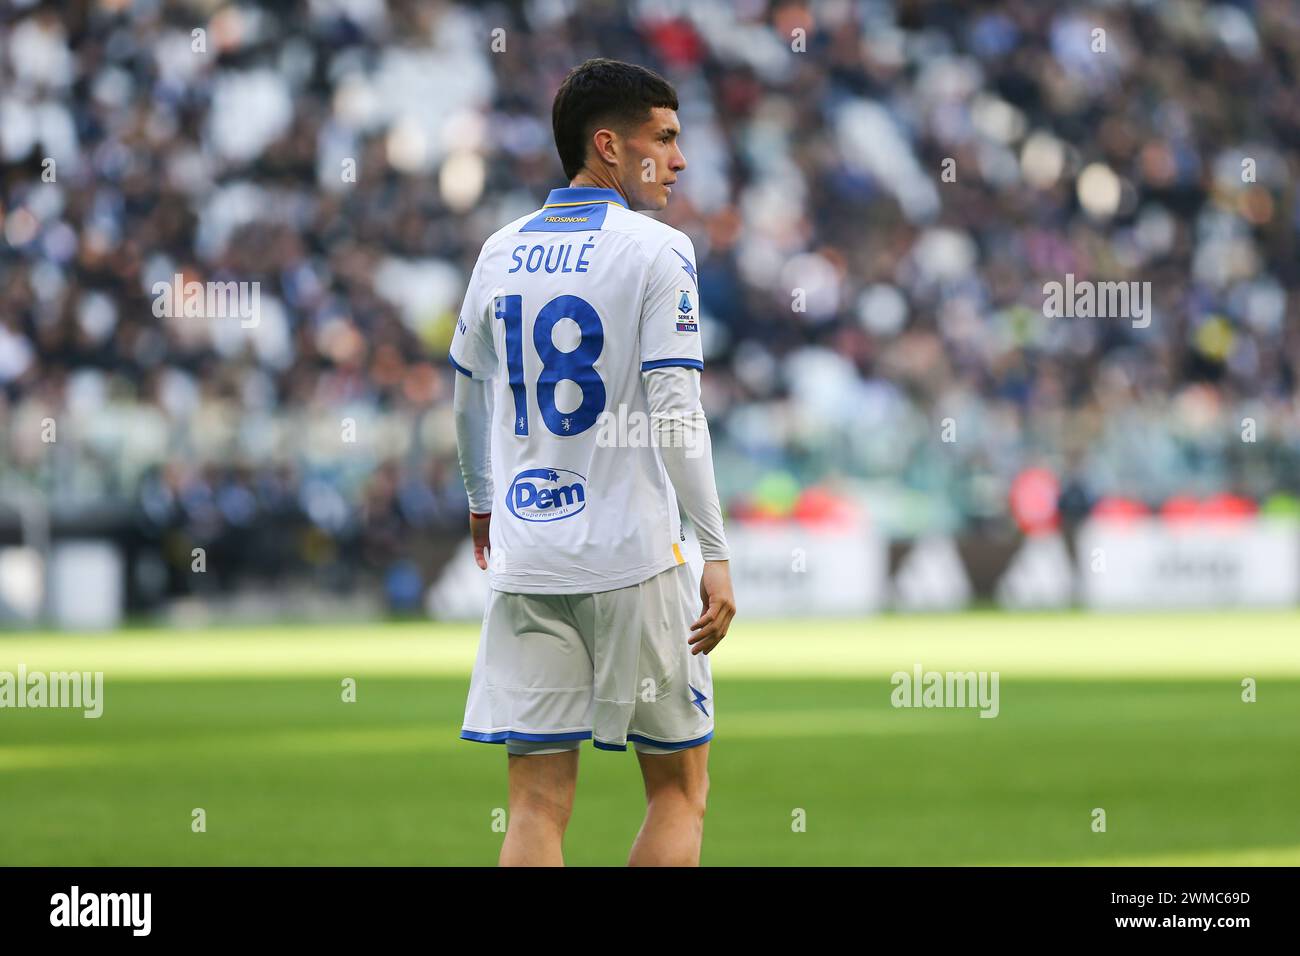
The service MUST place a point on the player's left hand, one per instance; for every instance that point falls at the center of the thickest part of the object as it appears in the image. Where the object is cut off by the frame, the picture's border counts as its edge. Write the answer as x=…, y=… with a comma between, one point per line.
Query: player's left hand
x=478, y=531
x=719, y=607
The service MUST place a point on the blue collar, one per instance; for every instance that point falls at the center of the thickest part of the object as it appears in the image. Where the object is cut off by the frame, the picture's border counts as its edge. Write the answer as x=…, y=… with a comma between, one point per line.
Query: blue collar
x=582, y=195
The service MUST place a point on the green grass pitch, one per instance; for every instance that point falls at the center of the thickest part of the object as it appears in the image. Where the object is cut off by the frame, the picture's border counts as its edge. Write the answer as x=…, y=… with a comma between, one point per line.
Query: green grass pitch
x=1140, y=715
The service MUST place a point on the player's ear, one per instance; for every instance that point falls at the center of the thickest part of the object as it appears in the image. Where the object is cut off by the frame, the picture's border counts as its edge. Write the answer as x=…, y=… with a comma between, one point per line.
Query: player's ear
x=607, y=145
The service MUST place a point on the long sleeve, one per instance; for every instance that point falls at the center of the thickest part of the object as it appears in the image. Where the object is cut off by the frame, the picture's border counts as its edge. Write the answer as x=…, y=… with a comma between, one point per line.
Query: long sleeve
x=682, y=435
x=472, y=409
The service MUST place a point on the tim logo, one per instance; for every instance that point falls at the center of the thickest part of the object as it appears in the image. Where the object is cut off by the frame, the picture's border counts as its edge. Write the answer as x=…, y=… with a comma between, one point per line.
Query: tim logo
x=685, y=320
x=546, y=494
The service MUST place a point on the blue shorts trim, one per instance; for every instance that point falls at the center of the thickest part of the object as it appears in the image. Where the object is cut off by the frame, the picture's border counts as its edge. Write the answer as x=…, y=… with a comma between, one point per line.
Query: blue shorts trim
x=501, y=736
x=671, y=744
x=662, y=744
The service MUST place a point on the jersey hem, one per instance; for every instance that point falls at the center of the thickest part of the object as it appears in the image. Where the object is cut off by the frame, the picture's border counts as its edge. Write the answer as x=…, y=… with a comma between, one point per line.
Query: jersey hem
x=500, y=582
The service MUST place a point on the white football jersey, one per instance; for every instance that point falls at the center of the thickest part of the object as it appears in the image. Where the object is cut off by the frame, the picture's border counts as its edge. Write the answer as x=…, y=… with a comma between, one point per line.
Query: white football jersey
x=565, y=309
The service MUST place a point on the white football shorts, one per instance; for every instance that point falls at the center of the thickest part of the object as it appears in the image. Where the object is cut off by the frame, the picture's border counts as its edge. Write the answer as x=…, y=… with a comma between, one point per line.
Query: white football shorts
x=614, y=666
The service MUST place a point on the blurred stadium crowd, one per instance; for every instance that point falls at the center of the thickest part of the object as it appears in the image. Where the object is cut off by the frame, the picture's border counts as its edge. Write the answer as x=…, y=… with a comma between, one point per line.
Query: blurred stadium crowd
x=352, y=155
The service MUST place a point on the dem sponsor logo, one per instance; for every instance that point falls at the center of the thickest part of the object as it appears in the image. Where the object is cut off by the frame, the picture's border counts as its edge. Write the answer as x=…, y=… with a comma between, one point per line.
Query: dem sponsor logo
x=546, y=494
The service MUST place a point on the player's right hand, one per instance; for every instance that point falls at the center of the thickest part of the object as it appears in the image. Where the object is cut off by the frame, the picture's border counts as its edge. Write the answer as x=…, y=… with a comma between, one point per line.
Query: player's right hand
x=719, y=607
x=478, y=531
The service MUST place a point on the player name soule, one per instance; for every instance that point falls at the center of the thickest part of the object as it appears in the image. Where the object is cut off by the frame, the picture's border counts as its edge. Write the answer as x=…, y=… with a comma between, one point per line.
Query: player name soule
x=103, y=909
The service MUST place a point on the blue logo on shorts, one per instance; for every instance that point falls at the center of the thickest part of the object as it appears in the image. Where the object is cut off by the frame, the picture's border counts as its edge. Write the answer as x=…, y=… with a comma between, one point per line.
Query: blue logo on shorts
x=546, y=494
x=699, y=698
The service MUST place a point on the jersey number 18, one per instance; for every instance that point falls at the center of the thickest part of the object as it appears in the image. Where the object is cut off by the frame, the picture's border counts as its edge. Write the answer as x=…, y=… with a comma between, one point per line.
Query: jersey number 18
x=577, y=366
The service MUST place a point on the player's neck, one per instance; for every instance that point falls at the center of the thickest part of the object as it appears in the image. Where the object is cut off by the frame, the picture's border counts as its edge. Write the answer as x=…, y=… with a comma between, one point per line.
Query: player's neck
x=598, y=180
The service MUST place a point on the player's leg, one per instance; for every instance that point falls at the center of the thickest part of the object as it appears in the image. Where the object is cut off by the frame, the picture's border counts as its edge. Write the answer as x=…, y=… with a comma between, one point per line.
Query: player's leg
x=531, y=690
x=543, y=779
x=672, y=722
x=676, y=790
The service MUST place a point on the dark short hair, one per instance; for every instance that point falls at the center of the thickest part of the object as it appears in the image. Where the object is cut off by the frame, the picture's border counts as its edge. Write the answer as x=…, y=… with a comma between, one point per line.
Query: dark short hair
x=599, y=93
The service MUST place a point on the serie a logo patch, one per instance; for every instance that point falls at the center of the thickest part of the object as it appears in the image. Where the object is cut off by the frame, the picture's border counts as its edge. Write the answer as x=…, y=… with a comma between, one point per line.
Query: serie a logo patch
x=686, y=318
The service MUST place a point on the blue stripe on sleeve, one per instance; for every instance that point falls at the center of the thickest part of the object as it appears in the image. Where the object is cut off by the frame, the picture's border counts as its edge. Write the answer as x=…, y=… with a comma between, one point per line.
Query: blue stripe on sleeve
x=460, y=368
x=673, y=363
